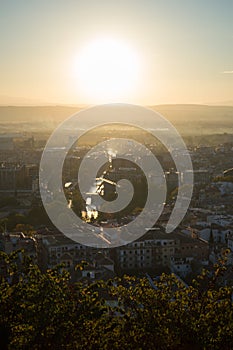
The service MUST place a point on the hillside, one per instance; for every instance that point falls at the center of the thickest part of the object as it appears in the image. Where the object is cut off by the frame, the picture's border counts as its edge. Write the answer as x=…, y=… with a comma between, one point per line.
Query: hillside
x=189, y=119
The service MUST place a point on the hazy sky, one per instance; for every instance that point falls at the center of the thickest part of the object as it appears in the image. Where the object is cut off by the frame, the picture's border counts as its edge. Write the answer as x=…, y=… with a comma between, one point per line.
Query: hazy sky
x=185, y=48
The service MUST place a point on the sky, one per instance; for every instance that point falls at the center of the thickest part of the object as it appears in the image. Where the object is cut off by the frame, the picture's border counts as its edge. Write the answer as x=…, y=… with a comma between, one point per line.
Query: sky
x=183, y=49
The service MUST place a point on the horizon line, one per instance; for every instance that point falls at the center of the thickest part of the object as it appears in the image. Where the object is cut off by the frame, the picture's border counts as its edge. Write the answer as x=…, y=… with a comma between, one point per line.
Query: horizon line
x=81, y=106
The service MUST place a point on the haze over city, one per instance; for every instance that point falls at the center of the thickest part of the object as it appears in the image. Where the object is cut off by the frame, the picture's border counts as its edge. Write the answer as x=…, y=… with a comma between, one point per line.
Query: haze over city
x=116, y=174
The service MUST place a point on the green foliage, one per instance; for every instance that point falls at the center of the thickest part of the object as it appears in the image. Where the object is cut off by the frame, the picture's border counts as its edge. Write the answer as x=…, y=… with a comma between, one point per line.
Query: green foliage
x=36, y=216
x=45, y=311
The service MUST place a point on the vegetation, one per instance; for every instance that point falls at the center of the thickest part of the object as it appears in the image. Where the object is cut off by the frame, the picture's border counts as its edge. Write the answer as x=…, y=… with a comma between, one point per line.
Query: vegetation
x=37, y=216
x=46, y=311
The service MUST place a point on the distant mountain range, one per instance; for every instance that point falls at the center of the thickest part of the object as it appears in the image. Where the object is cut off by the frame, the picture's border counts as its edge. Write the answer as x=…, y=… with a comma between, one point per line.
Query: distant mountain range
x=187, y=118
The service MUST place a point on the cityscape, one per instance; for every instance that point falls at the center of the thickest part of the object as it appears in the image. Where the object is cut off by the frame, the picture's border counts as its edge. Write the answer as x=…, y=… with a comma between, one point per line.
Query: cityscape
x=116, y=175
x=199, y=241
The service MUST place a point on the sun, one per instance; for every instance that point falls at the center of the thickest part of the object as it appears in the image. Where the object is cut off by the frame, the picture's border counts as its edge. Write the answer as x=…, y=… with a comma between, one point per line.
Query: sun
x=107, y=70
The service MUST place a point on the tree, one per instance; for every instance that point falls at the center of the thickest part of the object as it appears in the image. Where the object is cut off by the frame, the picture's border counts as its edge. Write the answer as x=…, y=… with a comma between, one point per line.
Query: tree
x=46, y=311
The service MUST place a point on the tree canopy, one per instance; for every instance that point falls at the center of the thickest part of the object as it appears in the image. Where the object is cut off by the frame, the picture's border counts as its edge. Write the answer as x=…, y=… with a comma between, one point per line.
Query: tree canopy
x=45, y=311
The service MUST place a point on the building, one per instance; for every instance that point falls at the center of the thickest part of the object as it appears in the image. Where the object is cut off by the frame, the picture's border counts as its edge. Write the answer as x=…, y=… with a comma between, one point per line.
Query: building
x=102, y=267
x=10, y=242
x=181, y=266
x=17, y=177
x=54, y=248
x=156, y=249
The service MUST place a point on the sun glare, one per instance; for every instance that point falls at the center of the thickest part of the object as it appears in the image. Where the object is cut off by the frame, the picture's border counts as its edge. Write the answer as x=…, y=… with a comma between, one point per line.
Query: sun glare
x=107, y=70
